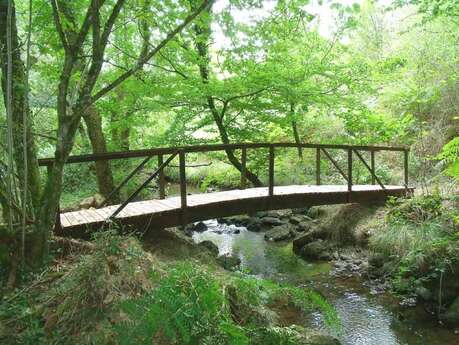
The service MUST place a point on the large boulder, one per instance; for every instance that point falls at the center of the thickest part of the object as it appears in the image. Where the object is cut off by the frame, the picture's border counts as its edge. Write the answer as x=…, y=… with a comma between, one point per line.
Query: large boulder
x=300, y=242
x=271, y=221
x=296, y=219
x=451, y=316
x=303, y=210
x=280, y=233
x=314, y=212
x=94, y=201
x=241, y=220
x=198, y=227
x=229, y=262
x=210, y=246
x=254, y=225
x=317, y=250
x=304, y=226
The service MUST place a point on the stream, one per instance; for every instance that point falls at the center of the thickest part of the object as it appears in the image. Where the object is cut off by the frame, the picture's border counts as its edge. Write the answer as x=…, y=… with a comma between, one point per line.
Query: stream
x=366, y=318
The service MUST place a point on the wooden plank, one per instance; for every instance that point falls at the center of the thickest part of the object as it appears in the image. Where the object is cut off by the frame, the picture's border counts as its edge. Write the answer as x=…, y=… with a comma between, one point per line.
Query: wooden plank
x=335, y=164
x=372, y=172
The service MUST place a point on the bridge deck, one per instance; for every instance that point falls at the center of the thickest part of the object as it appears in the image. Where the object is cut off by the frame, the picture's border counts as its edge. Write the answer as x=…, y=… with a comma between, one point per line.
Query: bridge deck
x=167, y=212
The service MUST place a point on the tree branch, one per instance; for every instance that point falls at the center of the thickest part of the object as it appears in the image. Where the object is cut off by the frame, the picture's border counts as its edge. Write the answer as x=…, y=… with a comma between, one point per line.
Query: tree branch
x=58, y=24
x=143, y=60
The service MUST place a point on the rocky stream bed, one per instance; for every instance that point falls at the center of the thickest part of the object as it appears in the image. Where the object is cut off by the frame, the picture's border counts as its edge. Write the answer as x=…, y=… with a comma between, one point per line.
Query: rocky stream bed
x=294, y=246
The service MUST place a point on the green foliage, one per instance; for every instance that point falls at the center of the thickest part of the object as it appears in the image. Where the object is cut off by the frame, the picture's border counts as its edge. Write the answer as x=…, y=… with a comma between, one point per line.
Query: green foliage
x=20, y=313
x=450, y=154
x=416, y=210
x=421, y=235
x=82, y=301
x=188, y=307
x=193, y=306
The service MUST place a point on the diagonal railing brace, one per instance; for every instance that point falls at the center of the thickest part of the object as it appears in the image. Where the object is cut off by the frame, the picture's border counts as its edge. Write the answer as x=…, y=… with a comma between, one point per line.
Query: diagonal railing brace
x=335, y=164
x=126, y=180
x=138, y=190
x=372, y=172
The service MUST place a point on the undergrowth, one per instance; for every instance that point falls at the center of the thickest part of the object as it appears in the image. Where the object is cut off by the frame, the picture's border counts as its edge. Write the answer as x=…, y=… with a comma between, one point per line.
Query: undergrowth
x=421, y=235
x=120, y=294
x=193, y=306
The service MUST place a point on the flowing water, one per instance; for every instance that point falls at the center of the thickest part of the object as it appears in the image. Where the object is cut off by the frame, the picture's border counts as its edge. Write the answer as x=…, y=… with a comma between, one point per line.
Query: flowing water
x=366, y=319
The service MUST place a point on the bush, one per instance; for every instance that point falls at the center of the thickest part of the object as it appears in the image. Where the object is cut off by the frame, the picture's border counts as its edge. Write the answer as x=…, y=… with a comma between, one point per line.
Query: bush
x=81, y=304
x=195, y=306
x=421, y=235
x=120, y=294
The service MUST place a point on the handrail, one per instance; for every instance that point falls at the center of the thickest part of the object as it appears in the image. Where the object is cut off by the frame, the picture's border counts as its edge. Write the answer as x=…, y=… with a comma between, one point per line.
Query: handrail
x=208, y=148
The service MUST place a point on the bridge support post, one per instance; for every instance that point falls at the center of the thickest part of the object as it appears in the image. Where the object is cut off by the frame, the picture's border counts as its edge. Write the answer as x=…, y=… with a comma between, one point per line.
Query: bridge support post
x=182, y=173
x=318, y=166
x=243, y=167
x=373, y=167
x=405, y=167
x=271, y=170
x=349, y=170
x=161, y=178
x=182, y=179
x=57, y=222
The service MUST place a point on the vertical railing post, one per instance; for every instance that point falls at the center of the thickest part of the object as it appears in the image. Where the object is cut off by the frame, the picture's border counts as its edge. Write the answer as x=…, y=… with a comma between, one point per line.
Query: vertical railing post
x=318, y=166
x=373, y=167
x=161, y=178
x=182, y=179
x=405, y=166
x=271, y=170
x=349, y=170
x=243, y=167
x=57, y=220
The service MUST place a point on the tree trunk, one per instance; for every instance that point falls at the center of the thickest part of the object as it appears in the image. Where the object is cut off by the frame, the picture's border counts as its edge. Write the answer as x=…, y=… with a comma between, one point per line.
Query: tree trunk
x=96, y=136
x=49, y=203
x=295, y=130
x=119, y=134
x=202, y=31
x=20, y=107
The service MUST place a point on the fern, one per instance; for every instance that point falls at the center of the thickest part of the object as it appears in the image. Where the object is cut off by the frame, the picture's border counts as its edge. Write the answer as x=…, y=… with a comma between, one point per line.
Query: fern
x=450, y=154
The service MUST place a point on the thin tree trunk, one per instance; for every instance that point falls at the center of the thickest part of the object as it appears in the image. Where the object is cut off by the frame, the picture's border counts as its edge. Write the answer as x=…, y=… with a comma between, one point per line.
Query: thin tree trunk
x=295, y=130
x=119, y=134
x=26, y=170
x=202, y=40
x=20, y=106
x=96, y=136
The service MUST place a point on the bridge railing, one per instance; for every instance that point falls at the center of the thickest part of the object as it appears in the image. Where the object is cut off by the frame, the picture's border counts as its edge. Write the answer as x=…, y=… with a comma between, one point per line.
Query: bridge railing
x=172, y=152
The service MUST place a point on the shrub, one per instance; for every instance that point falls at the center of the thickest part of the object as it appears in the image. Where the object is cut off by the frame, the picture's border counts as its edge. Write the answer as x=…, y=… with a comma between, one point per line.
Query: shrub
x=194, y=306
x=81, y=304
x=422, y=236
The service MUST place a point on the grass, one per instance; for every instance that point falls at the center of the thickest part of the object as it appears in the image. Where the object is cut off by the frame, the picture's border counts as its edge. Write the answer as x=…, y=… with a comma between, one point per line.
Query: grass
x=120, y=294
x=420, y=236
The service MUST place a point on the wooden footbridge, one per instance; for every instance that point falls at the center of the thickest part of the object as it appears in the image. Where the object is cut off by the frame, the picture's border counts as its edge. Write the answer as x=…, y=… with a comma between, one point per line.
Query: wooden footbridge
x=186, y=208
